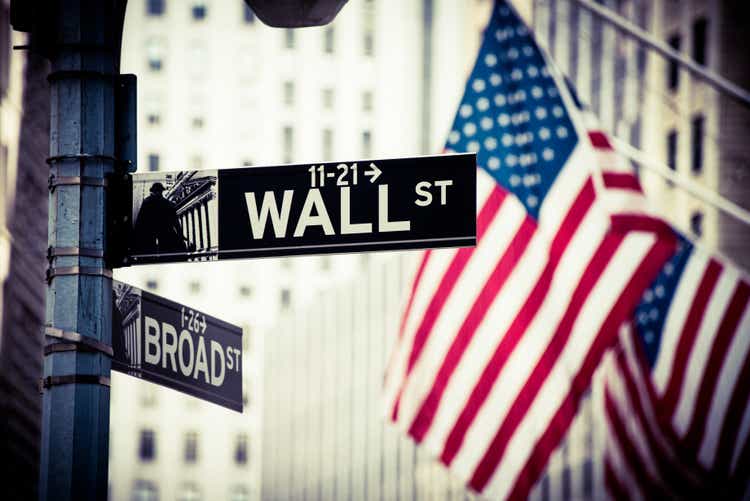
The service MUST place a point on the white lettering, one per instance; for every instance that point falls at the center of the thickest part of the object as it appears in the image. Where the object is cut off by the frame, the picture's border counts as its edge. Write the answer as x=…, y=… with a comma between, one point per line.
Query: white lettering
x=152, y=340
x=230, y=360
x=201, y=361
x=383, y=223
x=217, y=380
x=423, y=190
x=268, y=206
x=314, y=200
x=185, y=368
x=443, y=188
x=169, y=349
x=347, y=228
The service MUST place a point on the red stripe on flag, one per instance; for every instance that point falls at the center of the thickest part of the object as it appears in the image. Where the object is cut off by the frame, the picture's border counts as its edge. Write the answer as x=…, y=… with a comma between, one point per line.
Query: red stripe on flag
x=480, y=391
x=520, y=407
x=733, y=418
x=492, y=286
x=621, y=180
x=715, y=362
x=559, y=424
x=641, y=222
x=455, y=268
x=687, y=339
x=630, y=453
x=613, y=484
x=668, y=470
x=599, y=140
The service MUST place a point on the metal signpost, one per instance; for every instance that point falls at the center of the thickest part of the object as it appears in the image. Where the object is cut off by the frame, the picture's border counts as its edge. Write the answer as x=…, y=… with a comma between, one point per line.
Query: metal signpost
x=363, y=205
x=167, y=343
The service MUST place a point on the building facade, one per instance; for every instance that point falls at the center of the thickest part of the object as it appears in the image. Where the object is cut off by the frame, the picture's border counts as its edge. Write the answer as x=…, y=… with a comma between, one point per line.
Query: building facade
x=661, y=108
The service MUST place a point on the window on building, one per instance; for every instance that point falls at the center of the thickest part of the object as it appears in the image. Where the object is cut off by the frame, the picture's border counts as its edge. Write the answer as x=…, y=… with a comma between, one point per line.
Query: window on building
x=672, y=149
x=155, y=7
x=145, y=490
x=153, y=162
x=327, y=144
x=197, y=122
x=148, y=394
x=147, y=448
x=240, y=449
x=153, y=117
x=248, y=16
x=289, y=38
x=191, y=447
x=239, y=493
x=199, y=10
x=155, y=48
x=194, y=287
x=189, y=492
x=288, y=93
x=196, y=162
x=366, y=143
x=152, y=284
x=247, y=162
x=696, y=223
x=673, y=72
x=286, y=298
x=5, y=48
x=325, y=263
x=700, y=33
x=328, y=40
x=367, y=100
x=288, y=144
x=696, y=143
x=245, y=291
x=368, y=37
x=327, y=95
x=198, y=59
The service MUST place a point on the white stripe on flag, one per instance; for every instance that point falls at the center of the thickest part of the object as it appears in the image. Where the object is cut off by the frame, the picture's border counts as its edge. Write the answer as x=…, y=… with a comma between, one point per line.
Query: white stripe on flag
x=738, y=351
x=696, y=367
x=678, y=311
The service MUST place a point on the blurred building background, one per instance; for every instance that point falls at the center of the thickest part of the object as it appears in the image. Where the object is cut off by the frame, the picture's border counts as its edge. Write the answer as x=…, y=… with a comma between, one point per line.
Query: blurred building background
x=659, y=107
x=24, y=145
x=218, y=89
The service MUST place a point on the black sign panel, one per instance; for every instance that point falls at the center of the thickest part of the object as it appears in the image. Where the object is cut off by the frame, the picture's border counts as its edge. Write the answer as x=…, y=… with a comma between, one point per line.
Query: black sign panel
x=365, y=205
x=175, y=346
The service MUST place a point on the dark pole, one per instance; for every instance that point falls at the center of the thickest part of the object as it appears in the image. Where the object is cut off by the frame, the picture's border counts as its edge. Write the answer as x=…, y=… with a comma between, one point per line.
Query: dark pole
x=84, y=50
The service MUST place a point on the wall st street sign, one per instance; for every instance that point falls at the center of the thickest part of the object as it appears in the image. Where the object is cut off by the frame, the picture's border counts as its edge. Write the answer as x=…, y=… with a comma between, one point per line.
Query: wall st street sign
x=175, y=346
x=364, y=205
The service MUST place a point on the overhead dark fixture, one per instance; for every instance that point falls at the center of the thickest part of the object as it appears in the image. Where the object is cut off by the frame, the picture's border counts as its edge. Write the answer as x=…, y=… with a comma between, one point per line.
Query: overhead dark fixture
x=296, y=13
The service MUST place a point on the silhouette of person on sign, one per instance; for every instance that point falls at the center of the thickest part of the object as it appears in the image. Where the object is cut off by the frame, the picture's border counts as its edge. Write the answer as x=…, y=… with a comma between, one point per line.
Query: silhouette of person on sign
x=157, y=227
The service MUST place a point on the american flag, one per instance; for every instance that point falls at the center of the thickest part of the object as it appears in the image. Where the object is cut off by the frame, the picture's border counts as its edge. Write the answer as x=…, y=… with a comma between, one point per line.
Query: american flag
x=498, y=343
x=677, y=389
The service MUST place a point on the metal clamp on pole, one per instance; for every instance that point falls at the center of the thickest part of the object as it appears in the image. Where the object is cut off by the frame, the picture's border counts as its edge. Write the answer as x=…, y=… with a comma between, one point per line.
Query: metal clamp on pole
x=53, y=252
x=77, y=74
x=51, y=381
x=75, y=342
x=55, y=181
x=80, y=156
x=53, y=272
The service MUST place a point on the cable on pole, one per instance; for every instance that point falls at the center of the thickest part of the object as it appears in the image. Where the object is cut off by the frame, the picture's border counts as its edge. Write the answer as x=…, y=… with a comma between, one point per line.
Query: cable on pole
x=690, y=186
x=667, y=51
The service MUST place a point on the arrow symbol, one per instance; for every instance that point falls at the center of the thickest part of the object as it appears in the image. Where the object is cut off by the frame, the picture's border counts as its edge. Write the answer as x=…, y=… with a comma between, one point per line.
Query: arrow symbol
x=203, y=324
x=374, y=172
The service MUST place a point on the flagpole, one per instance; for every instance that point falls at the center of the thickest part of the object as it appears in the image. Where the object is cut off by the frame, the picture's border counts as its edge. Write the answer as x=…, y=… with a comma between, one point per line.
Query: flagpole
x=667, y=51
x=692, y=187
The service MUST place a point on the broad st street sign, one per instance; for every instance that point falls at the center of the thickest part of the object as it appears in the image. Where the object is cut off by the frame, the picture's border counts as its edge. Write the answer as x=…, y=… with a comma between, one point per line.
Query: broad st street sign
x=175, y=346
x=364, y=205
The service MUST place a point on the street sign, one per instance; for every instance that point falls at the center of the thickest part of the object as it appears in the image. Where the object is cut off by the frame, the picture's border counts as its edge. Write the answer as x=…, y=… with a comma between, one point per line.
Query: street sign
x=364, y=205
x=175, y=346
